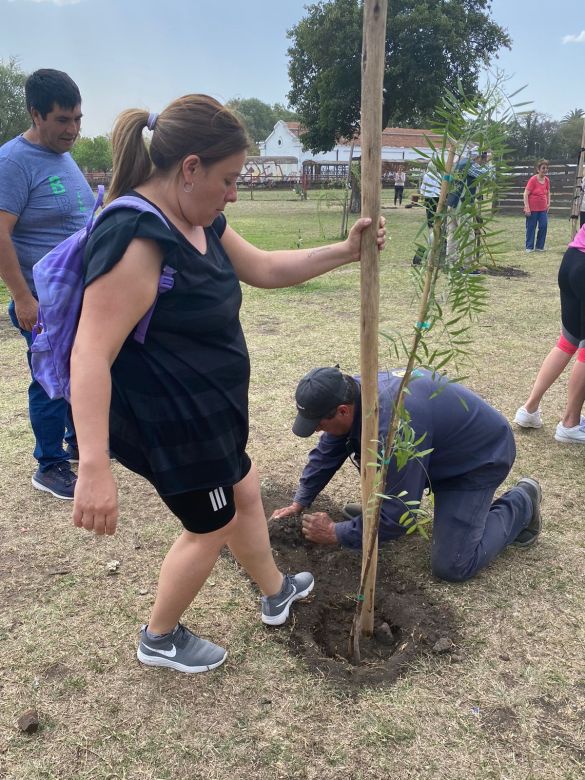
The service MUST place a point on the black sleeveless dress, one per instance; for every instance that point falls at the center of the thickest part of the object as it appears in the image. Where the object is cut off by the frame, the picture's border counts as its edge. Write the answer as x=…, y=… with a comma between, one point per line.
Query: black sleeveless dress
x=179, y=409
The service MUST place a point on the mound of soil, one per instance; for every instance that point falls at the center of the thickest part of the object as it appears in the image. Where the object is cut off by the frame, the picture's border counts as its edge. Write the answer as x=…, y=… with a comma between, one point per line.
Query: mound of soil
x=505, y=270
x=408, y=621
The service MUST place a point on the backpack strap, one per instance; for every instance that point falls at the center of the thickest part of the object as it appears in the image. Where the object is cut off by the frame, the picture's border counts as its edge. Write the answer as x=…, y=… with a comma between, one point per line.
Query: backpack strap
x=166, y=281
x=97, y=204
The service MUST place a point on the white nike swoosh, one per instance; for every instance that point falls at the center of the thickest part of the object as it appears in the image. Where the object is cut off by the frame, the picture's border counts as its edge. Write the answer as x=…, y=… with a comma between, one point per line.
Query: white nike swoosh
x=170, y=653
x=294, y=590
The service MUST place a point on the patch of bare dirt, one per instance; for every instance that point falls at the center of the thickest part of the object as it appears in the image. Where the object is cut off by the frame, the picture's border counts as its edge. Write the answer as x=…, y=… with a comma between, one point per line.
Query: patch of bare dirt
x=7, y=329
x=409, y=622
x=509, y=271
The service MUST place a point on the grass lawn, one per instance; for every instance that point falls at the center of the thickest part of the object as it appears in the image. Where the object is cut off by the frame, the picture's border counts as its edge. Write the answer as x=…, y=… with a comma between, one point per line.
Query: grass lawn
x=511, y=705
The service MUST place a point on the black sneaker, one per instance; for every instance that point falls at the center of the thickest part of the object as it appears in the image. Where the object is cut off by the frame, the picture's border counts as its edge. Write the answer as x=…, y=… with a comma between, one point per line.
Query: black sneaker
x=72, y=453
x=529, y=535
x=180, y=650
x=275, y=609
x=58, y=480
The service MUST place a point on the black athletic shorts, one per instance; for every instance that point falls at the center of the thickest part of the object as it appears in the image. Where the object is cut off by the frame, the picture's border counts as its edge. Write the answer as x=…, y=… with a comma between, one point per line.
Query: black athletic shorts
x=572, y=287
x=204, y=511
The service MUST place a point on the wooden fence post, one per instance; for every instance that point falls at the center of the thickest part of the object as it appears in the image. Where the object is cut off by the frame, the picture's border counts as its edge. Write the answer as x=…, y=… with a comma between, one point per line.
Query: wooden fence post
x=373, y=56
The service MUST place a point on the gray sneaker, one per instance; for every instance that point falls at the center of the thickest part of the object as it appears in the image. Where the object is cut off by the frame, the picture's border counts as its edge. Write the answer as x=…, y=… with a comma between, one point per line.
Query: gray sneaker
x=528, y=535
x=275, y=609
x=180, y=650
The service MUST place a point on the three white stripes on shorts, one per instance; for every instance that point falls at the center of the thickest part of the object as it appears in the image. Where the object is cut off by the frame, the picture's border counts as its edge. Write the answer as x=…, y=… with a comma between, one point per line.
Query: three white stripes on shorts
x=218, y=499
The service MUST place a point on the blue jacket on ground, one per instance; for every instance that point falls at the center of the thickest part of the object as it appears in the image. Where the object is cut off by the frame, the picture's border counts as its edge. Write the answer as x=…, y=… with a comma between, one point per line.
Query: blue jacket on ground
x=472, y=449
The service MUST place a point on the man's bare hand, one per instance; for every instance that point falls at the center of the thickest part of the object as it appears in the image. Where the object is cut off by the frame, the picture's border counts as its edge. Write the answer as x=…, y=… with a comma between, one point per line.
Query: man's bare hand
x=26, y=312
x=319, y=528
x=288, y=511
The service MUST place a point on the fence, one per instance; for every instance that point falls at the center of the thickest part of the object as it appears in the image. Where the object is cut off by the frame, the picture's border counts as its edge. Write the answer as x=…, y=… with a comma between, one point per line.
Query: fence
x=562, y=186
x=561, y=174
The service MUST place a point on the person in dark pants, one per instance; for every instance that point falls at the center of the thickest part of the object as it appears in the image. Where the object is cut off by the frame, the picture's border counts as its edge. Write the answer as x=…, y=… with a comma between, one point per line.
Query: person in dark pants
x=468, y=452
x=430, y=189
x=44, y=198
x=399, y=182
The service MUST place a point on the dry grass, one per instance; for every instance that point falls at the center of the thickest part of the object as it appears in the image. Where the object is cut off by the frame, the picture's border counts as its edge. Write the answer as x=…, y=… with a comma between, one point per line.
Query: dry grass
x=512, y=708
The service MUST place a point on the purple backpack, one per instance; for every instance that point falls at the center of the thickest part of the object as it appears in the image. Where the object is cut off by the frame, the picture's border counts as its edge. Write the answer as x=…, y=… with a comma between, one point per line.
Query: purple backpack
x=59, y=277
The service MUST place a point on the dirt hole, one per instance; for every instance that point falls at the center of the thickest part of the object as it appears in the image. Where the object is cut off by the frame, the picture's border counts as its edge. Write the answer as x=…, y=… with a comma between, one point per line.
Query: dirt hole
x=410, y=620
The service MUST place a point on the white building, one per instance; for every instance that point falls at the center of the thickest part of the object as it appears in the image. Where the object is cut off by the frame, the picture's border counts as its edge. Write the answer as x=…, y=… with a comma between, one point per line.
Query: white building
x=398, y=144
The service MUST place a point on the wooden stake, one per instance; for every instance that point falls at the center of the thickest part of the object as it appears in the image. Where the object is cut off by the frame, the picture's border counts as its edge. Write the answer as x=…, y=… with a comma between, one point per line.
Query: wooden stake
x=578, y=193
x=373, y=55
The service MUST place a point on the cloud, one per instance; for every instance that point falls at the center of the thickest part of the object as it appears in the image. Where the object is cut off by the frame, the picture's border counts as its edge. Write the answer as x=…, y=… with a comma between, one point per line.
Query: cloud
x=575, y=38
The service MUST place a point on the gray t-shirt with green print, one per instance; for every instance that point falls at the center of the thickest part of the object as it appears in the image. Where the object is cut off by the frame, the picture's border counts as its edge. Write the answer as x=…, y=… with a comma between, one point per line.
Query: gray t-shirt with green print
x=49, y=195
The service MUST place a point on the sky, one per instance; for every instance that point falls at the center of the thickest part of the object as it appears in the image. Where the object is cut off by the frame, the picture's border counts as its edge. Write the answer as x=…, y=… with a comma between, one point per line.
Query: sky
x=144, y=53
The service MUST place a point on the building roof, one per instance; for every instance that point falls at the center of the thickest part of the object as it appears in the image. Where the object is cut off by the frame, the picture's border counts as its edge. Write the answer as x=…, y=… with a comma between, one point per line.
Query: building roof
x=395, y=137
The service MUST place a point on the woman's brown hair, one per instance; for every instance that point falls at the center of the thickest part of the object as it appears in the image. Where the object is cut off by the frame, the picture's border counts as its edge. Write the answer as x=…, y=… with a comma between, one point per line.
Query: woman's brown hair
x=193, y=124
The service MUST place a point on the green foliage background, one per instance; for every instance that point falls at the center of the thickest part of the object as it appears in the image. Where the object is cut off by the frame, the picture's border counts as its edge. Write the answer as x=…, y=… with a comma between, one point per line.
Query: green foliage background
x=14, y=118
x=452, y=41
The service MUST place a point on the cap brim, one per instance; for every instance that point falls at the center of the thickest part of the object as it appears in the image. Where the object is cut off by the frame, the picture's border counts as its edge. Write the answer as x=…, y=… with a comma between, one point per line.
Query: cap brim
x=303, y=427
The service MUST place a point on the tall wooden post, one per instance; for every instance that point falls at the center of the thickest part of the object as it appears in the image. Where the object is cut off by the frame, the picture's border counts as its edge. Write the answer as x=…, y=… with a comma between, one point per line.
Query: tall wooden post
x=578, y=192
x=373, y=46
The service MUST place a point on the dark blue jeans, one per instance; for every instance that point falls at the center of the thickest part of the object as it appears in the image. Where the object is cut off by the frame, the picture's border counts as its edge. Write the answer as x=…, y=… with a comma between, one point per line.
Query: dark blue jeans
x=470, y=529
x=539, y=218
x=51, y=420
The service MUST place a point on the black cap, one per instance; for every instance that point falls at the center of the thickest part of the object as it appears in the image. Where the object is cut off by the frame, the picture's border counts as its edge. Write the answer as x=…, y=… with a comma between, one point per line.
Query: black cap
x=318, y=393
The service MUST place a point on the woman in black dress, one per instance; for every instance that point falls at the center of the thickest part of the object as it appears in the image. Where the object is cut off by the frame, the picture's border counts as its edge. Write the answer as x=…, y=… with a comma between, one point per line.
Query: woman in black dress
x=175, y=409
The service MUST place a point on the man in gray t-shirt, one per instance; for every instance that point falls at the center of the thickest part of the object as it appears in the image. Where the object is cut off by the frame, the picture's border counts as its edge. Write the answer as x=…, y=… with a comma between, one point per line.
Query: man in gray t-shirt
x=44, y=198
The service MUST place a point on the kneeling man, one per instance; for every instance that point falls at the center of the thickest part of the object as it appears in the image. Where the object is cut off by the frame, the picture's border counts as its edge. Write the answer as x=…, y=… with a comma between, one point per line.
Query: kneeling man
x=468, y=452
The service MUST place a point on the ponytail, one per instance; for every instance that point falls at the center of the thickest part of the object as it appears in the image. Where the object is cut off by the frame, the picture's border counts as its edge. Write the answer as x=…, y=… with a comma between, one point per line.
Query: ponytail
x=131, y=161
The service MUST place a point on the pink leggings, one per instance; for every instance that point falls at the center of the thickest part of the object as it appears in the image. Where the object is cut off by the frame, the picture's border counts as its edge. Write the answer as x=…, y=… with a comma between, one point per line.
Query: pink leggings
x=565, y=346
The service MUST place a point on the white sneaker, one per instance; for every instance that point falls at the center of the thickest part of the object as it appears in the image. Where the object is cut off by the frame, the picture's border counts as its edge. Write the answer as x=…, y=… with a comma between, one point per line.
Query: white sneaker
x=575, y=433
x=528, y=419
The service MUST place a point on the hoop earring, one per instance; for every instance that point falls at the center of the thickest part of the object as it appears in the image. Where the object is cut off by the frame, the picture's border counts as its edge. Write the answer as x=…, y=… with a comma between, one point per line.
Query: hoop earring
x=188, y=186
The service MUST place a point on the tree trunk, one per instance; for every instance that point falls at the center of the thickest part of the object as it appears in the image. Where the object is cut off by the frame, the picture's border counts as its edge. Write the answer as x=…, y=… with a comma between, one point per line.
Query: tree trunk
x=356, y=191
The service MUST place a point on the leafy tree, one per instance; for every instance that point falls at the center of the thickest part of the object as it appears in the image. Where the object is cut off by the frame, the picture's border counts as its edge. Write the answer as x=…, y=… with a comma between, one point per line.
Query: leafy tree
x=533, y=135
x=281, y=112
x=570, y=135
x=258, y=117
x=102, y=153
x=575, y=113
x=14, y=118
x=431, y=47
x=93, y=154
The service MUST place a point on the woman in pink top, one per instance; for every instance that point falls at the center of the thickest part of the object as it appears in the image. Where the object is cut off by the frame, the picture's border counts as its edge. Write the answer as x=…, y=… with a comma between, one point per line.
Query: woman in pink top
x=572, y=340
x=536, y=206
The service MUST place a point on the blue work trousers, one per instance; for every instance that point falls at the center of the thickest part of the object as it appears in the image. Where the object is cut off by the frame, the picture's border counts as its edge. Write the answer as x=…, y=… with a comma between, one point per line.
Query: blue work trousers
x=470, y=529
x=540, y=219
x=51, y=420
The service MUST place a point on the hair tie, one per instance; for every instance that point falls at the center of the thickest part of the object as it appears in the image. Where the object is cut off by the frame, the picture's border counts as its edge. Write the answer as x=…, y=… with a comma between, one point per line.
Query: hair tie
x=151, y=121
